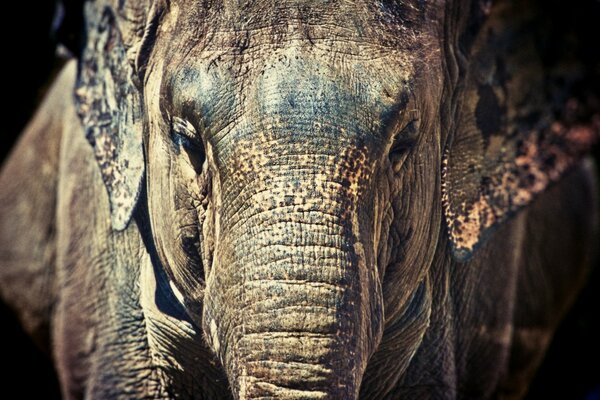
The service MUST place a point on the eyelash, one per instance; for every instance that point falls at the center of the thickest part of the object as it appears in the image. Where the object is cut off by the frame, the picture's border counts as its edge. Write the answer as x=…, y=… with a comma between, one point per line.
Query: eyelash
x=185, y=136
x=184, y=129
x=406, y=138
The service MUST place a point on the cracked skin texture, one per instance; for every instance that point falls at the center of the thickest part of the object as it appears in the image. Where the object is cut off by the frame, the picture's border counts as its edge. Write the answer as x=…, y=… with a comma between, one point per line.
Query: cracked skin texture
x=283, y=200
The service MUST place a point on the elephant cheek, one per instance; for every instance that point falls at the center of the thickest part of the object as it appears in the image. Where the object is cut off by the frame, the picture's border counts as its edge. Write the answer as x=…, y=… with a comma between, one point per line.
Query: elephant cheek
x=172, y=201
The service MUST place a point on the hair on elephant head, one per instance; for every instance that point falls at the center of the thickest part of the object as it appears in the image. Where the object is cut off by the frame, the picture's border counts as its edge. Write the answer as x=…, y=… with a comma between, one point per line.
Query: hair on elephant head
x=302, y=165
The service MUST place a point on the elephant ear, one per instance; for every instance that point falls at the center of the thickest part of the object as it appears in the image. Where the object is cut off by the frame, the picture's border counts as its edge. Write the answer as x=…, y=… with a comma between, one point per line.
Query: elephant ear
x=522, y=120
x=109, y=101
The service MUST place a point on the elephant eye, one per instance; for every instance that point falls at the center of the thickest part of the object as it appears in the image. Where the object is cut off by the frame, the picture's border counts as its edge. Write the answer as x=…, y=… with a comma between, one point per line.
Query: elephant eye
x=187, y=139
x=404, y=141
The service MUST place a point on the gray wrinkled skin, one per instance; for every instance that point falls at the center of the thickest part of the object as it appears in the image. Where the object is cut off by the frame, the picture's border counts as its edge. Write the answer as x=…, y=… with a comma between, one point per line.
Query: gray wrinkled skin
x=299, y=201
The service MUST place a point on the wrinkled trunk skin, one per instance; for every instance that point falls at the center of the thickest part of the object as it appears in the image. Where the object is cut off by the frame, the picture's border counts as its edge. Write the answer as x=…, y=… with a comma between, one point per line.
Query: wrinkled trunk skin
x=293, y=301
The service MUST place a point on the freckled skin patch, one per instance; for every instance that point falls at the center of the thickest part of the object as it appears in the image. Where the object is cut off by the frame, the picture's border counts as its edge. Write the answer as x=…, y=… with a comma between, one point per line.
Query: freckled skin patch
x=541, y=159
x=516, y=141
x=110, y=110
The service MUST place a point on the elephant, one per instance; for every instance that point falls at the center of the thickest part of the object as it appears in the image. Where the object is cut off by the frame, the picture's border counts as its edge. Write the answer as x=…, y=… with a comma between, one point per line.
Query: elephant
x=302, y=200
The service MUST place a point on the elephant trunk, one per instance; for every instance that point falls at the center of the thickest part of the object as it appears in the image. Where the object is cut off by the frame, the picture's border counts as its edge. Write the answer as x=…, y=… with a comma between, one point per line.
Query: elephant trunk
x=292, y=305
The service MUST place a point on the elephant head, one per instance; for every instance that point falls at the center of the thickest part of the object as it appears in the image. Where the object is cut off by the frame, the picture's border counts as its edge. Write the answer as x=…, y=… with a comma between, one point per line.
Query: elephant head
x=301, y=166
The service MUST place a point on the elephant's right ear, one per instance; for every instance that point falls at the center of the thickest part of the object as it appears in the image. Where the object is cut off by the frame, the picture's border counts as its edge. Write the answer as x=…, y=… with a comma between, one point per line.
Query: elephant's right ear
x=524, y=115
x=109, y=99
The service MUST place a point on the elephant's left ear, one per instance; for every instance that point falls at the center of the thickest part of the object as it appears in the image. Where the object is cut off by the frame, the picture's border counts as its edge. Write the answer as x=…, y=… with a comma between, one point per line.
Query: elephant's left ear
x=109, y=99
x=519, y=125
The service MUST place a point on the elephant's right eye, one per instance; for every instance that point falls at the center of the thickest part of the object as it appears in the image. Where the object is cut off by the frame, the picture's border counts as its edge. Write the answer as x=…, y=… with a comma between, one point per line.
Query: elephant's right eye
x=187, y=139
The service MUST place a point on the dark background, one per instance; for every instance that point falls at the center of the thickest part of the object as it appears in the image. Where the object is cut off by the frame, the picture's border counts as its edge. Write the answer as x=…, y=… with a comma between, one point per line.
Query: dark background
x=571, y=368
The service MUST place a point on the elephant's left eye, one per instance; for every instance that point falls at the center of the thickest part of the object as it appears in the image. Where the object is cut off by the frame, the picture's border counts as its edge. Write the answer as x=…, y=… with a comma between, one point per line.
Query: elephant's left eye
x=186, y=138
x=404, y=141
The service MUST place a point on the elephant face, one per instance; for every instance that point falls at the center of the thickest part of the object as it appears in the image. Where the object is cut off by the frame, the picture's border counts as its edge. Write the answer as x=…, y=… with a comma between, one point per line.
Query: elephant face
x=286, y=165
x=295, y=172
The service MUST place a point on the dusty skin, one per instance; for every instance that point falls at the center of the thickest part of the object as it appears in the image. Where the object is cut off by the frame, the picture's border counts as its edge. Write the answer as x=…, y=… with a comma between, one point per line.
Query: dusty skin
x=302, y=200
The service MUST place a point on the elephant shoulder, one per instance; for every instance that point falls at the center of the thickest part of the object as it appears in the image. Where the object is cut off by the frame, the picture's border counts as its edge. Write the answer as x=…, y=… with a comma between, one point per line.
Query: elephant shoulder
x=28, y=198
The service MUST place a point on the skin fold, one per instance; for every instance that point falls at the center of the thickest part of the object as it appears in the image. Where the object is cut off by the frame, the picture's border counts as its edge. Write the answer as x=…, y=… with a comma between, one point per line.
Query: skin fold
x=301, y=201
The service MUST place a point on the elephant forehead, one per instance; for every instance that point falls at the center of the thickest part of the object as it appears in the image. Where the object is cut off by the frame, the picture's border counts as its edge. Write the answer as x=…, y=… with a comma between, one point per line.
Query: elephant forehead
x=354, y=61
x=246, y=24
x=291, y=89
x=318, y=87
